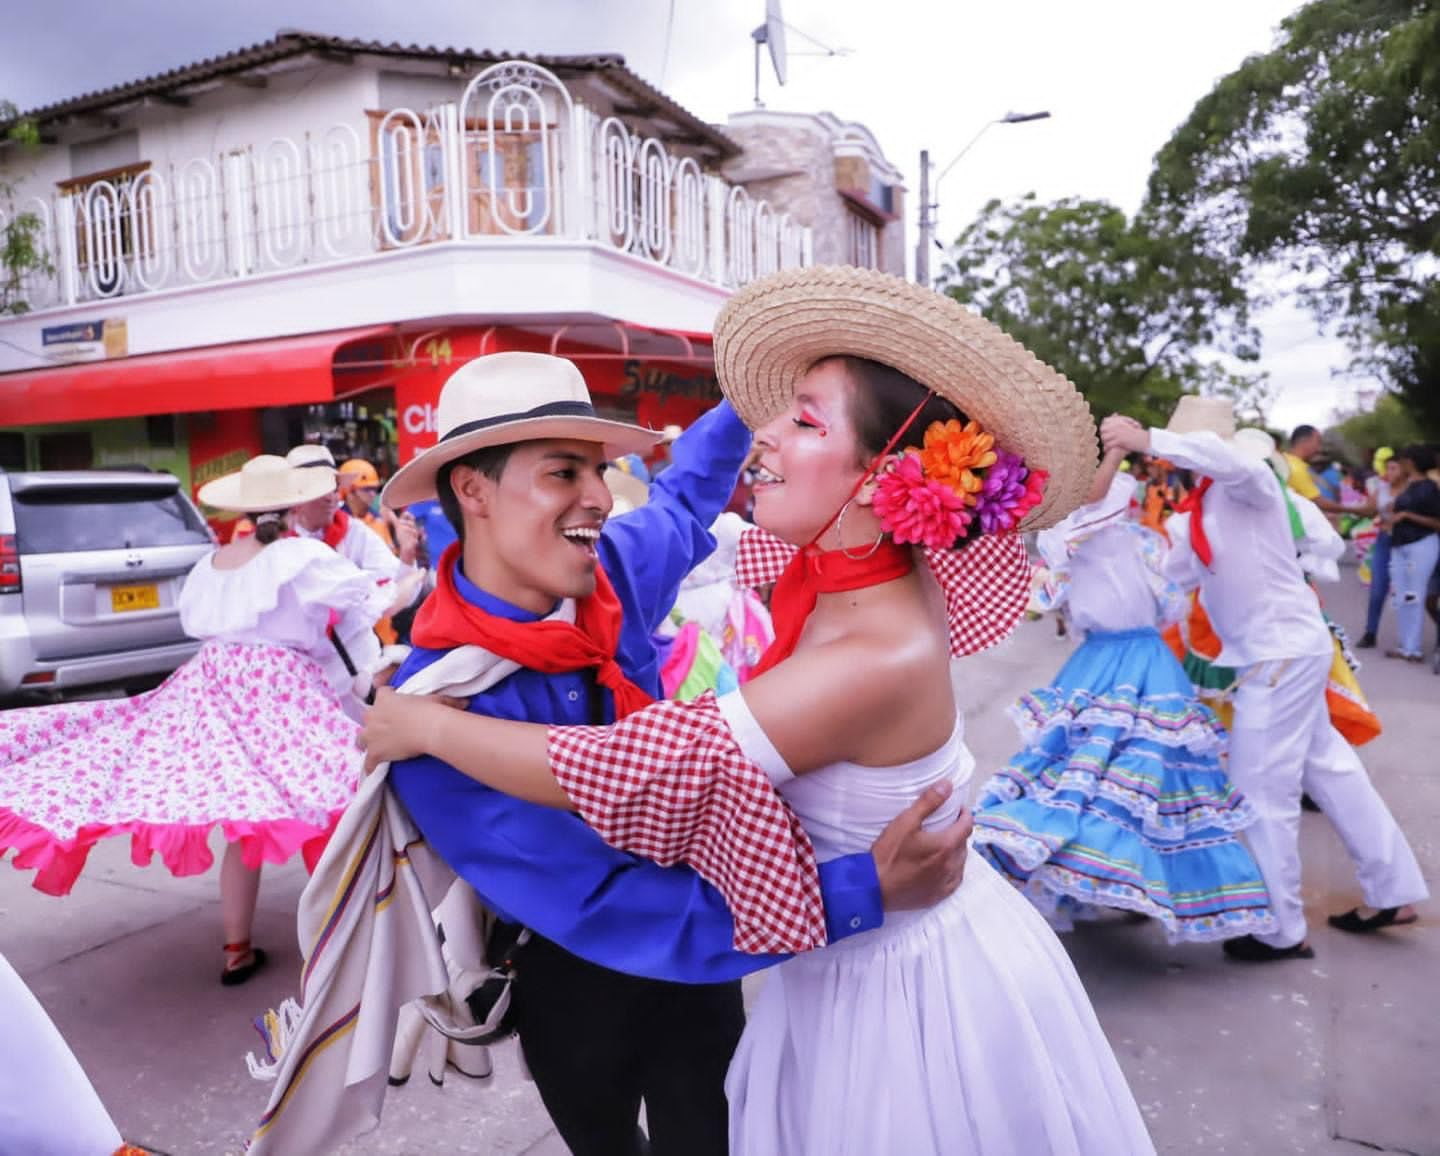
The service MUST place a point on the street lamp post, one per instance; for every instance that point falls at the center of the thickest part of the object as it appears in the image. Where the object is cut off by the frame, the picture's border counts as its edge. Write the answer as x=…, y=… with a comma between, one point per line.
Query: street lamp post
x=928, y=206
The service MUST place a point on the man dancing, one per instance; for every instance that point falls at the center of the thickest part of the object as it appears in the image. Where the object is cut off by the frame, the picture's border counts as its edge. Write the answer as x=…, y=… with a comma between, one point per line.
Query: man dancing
x=1273, y=633
x=628, y=990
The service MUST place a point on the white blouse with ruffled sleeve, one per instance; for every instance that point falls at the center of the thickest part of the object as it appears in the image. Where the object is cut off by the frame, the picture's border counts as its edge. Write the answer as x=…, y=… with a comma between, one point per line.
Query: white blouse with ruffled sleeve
x=283, y=596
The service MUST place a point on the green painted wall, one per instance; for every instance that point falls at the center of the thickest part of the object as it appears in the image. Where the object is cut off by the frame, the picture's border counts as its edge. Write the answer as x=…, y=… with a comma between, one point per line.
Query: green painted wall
x=120, y=442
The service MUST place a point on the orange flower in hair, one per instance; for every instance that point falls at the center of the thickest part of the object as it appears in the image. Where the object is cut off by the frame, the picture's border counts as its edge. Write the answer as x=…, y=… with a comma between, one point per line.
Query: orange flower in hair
x=953, y=453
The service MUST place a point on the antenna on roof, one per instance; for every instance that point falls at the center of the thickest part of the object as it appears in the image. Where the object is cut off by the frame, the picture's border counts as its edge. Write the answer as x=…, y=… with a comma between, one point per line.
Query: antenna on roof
x=772, y=33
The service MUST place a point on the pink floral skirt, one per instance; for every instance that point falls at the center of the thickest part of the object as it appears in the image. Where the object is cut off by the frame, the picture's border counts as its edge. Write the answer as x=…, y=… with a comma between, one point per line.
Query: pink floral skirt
x=249, y=738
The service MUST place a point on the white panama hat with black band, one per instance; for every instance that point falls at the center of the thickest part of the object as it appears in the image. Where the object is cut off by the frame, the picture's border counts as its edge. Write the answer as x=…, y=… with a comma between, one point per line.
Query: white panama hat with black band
x=504, y=398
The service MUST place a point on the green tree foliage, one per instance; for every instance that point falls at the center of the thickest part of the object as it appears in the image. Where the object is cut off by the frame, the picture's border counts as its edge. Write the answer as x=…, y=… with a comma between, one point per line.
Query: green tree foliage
x=1123, y=308
x=1322, y=156
x=1388, y=424
x=22, y=251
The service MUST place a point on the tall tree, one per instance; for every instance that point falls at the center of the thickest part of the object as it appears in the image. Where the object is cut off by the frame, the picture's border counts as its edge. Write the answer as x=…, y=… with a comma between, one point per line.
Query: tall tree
x=1322, y=157
x=22, y=251
x=1131, y=313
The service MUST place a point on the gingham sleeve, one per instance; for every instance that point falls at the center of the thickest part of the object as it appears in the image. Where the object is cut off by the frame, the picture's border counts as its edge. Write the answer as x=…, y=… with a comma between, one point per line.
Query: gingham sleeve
x=672, y=784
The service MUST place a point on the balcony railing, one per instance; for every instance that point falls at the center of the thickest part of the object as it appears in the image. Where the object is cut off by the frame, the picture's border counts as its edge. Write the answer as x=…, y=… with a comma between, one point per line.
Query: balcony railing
x=516, y=157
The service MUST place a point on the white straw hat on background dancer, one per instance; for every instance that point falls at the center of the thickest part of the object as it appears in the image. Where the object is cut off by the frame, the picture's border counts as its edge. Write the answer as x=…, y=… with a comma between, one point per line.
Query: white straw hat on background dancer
x=266, y=483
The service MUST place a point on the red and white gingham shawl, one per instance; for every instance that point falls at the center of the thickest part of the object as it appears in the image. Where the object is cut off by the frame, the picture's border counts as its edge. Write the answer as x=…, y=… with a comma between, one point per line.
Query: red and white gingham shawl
x=671, y=783
x=986, y=584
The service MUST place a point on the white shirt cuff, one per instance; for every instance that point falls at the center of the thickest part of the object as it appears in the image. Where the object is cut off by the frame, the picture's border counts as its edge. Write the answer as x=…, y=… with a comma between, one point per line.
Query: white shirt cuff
x=753, y=741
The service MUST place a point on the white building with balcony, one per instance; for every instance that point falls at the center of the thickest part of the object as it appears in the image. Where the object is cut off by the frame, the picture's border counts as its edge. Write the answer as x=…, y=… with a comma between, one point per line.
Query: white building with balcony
x=302, y=238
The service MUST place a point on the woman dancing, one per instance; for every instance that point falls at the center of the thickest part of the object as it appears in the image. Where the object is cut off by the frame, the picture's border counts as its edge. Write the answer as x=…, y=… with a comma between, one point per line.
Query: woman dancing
x=249, y=735
x=1118, y=798
x=888, y=419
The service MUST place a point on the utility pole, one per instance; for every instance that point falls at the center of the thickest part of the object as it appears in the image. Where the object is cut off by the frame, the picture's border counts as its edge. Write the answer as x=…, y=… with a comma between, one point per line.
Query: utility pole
x=928, y=207
x=922, y=246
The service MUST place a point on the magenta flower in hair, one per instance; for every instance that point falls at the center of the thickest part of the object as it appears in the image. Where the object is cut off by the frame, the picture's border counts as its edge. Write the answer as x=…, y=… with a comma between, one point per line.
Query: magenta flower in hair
x=917, y=510
x=1034, y=493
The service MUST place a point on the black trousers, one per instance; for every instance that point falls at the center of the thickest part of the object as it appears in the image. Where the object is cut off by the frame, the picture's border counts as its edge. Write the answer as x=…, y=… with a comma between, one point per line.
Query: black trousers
x=599, y=1042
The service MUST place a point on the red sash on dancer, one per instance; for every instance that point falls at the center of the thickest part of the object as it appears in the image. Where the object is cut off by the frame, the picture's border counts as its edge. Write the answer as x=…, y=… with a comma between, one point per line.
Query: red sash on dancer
x=447, y=620
x=1194, y=505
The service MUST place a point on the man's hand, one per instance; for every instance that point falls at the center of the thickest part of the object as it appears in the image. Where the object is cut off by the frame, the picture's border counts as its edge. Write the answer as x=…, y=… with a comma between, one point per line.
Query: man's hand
x=919, y=868
x=407, y=586
x=1118, y=432
x=407, y=538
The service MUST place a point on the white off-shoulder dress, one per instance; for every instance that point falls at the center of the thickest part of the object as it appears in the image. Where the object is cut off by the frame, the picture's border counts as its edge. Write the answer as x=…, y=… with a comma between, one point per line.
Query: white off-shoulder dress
x=962, y=1029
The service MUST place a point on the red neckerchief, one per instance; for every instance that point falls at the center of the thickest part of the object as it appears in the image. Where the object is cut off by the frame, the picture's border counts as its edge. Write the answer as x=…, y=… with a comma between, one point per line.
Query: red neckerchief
x=334, y=533
x=337, y=529
x=446, y=620
x=814, y=572
x=1194, y=505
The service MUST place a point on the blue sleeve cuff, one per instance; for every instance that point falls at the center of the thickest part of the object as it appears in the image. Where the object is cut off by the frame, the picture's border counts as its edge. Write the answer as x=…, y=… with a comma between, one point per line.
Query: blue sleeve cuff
x=851, y=889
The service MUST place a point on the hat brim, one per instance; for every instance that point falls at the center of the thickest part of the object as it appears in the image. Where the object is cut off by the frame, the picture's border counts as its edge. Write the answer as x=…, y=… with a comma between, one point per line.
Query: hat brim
x=772, y=332
x=630, y=492
x=227, y=493
x=1258, y=453
x=415, y=481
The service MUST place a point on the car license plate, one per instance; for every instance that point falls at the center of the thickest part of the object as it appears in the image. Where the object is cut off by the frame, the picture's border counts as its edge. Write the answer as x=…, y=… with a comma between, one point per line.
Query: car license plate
x=126, y=598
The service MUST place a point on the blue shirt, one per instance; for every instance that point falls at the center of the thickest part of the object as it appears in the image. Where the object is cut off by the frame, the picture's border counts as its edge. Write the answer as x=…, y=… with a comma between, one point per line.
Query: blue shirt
x=546, y=868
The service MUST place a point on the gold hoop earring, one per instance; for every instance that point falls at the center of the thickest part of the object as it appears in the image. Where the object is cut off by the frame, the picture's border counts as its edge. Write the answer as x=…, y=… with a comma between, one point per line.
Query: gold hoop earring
x=840, y=534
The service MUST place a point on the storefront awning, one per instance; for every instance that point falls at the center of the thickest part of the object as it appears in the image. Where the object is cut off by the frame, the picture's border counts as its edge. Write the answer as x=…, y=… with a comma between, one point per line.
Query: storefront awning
x=246, y=375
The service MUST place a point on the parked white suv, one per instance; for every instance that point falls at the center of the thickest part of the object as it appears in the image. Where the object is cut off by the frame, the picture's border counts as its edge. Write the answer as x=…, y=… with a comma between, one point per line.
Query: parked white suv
x=91, y=567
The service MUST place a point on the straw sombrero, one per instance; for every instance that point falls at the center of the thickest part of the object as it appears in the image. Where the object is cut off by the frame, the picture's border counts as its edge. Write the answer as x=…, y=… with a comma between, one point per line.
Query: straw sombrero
x=770, y=333
x=266, y=483
x=504, y=398
x=1196, y=414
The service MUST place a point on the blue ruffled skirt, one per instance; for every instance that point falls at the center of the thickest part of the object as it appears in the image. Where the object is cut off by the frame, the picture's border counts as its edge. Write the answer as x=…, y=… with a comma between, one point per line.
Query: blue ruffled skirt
x=1119, y=798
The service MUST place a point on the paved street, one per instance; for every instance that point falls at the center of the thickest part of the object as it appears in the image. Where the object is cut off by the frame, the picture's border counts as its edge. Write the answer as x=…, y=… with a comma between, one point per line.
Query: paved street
x=1327, y=1056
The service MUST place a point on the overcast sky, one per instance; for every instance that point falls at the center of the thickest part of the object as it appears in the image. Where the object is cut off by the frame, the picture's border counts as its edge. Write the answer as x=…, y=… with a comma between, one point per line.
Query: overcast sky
x=1116, y=75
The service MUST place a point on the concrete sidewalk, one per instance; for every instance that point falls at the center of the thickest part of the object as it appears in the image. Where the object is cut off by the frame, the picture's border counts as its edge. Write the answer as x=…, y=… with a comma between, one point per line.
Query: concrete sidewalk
x=1318, y=1057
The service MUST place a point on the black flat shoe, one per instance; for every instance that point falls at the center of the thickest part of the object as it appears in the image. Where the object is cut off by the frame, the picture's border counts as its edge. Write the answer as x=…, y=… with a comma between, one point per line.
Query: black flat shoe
x=1353, y=921
x=234, y=976
x=1367, y=642
x=1248, y=949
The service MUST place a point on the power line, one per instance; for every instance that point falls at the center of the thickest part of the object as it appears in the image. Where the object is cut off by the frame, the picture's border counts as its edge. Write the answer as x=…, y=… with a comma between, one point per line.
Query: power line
x=665, y=60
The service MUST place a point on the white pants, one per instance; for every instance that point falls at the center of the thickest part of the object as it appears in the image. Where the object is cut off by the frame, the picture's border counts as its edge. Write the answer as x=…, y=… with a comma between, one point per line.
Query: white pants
x=1283, y=743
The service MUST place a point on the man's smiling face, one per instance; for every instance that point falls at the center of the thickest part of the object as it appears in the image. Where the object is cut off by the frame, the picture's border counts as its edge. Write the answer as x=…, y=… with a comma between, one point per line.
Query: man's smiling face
x=531, y=533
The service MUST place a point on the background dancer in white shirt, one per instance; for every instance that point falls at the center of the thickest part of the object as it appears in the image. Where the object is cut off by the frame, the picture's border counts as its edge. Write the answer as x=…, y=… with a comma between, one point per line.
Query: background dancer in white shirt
x=1273, y=633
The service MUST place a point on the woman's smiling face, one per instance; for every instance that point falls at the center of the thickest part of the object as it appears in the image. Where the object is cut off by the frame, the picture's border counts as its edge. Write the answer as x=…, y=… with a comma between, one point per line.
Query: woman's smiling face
x=810, y=458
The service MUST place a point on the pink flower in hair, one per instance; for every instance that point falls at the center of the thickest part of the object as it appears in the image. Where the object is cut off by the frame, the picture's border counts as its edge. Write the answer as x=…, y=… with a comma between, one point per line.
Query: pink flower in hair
x=917, y=510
